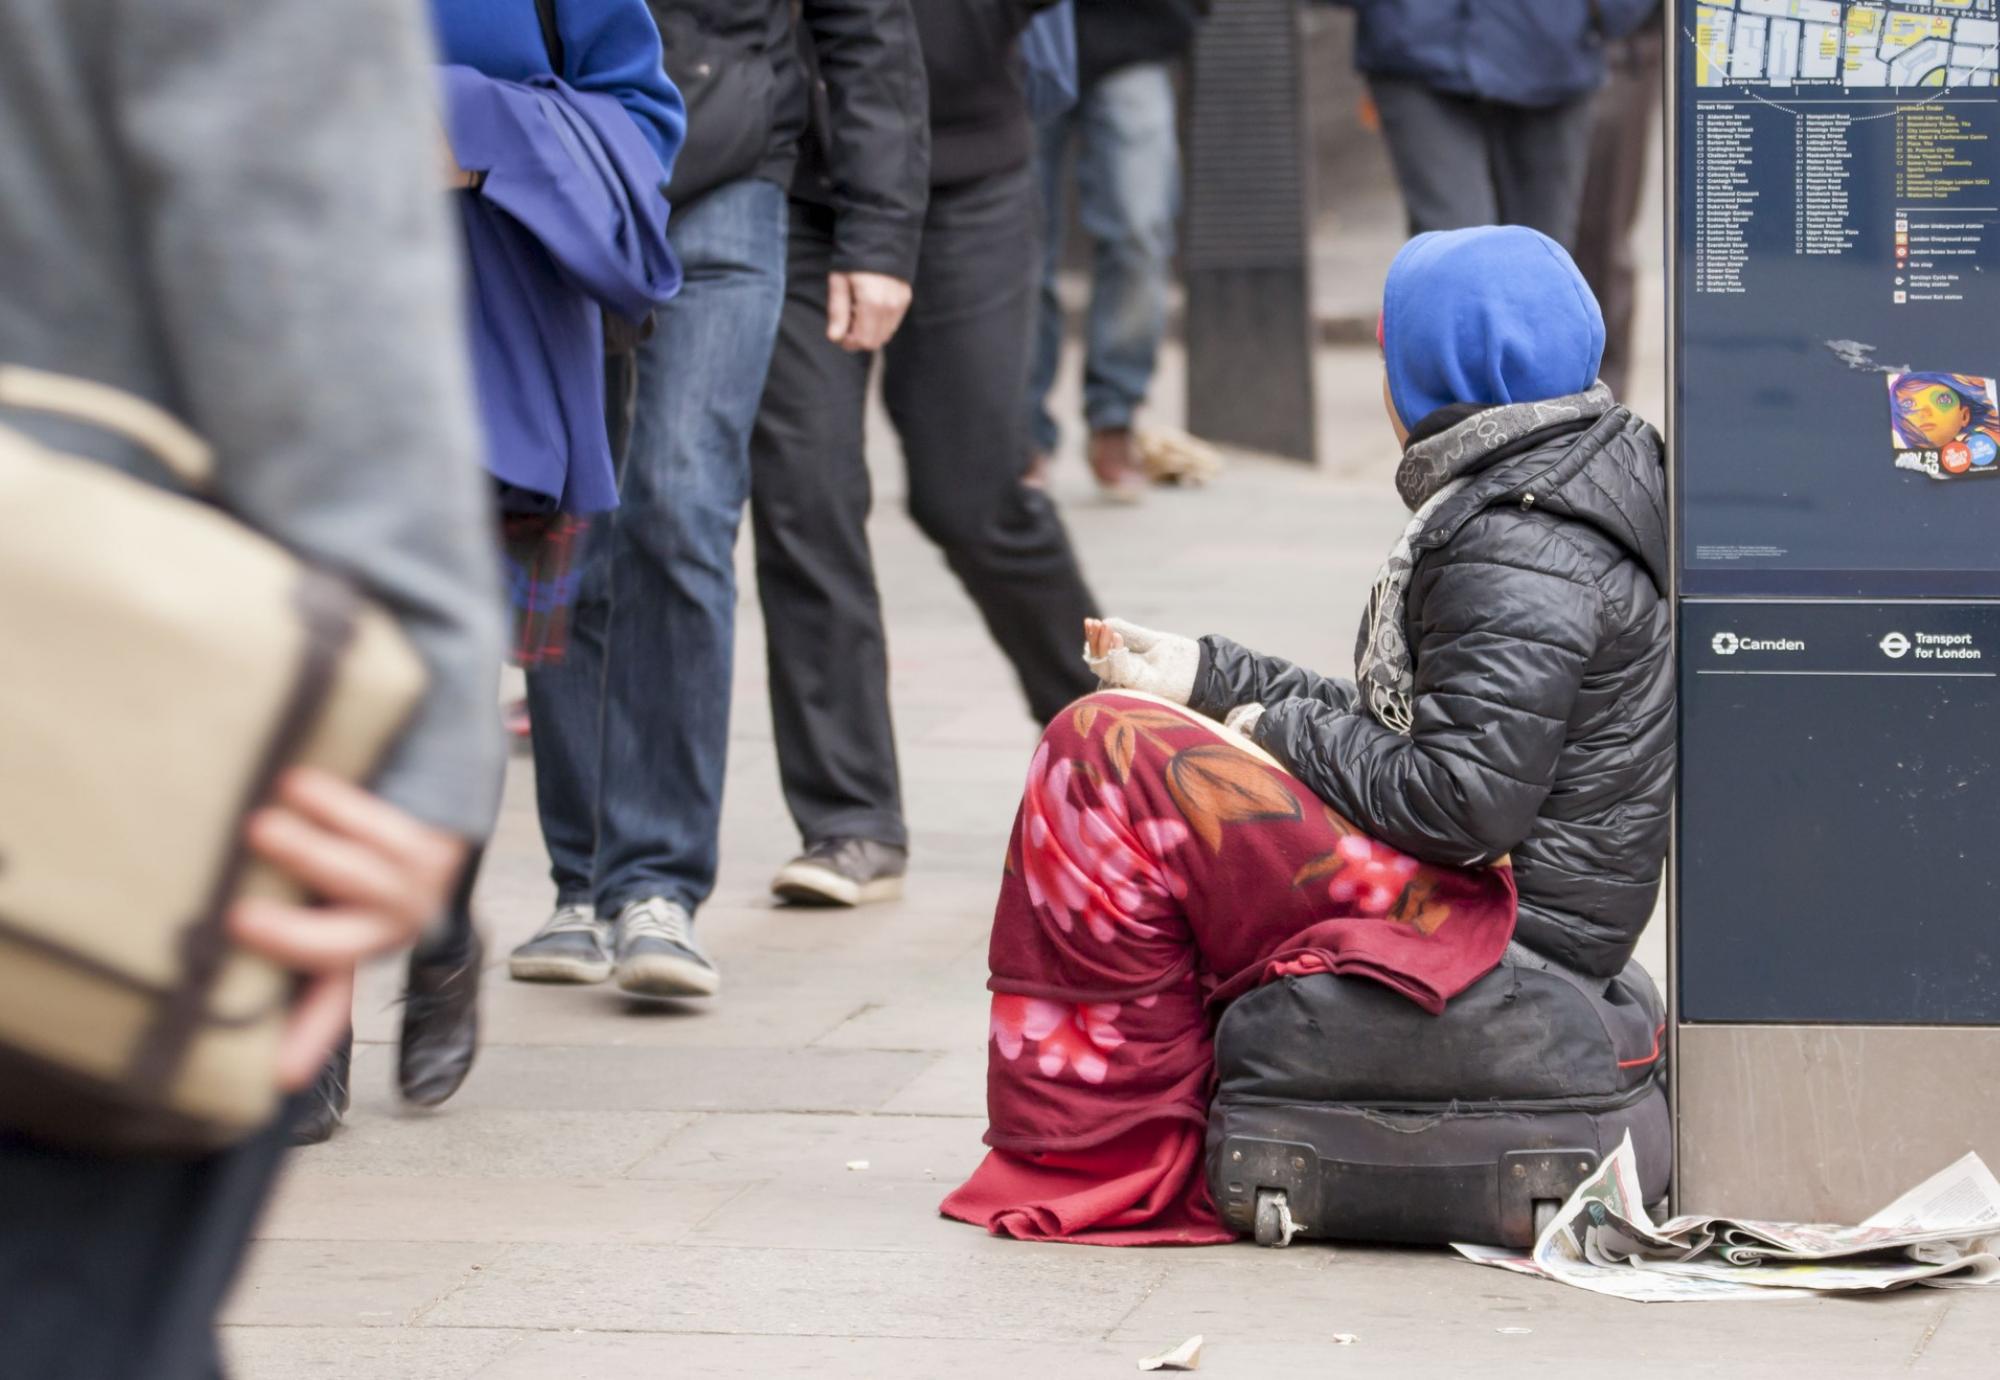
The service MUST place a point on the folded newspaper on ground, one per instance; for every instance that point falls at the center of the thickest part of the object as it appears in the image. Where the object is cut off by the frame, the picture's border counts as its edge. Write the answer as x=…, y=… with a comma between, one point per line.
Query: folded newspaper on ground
x=1944, y=1233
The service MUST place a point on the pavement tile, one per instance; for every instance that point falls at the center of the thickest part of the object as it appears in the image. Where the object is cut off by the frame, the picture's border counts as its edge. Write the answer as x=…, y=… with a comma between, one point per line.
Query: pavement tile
x=955, y=1085
x=948, y=1017
x=627, y=1211
x=996, y=773
x=602, y=1356
x=352, y=1283
x=582, y=1078
x=1960, y=1337
x=382, y=1137
x=1410, y=1305
x=756, y=1014
x=880, y=947
x=366, y=1353
x=977, y=727
x=858, y=1211
x=1025, y=1293
x=732, y=1147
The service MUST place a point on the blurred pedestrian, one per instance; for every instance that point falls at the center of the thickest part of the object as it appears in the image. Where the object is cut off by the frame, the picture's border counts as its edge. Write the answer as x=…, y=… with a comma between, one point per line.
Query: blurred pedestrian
x=1122, y=132
x=631, y=732
x=558, y=193
x=1622, y=133
x=1487, y=107
x=954, y=378
x=256, y=243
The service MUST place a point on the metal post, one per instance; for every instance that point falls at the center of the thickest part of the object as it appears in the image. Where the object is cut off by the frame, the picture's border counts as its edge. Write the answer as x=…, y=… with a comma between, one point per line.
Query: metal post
x=1246, y=258
x=1835, y=968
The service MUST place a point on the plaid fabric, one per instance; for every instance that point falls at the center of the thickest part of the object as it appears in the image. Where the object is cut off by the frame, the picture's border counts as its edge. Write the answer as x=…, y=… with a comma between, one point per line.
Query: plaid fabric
x=539, y=558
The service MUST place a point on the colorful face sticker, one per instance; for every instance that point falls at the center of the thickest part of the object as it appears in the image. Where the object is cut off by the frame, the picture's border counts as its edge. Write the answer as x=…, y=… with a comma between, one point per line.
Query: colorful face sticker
x=1945, y=425
x=1936, y=414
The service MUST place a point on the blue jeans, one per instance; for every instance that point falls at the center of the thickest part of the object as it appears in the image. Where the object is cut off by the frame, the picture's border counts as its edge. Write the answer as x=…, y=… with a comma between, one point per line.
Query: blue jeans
x=631, y=731
x=1128, y=193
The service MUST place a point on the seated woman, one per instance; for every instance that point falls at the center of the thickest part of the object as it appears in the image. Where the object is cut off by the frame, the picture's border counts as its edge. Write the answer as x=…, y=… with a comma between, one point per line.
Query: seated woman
x=1510, y=726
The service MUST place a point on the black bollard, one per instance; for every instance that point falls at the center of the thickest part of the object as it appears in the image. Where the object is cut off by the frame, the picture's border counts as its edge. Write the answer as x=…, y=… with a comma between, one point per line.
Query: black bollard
x=1246, y=251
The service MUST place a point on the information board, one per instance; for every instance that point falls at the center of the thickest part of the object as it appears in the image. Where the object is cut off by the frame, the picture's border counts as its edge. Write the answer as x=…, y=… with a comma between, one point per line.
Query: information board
x=1837, y=309
x=1838, y=786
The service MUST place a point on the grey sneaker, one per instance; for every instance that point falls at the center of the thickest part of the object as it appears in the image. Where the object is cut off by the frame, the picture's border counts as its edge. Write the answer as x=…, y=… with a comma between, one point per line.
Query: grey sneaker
x=573, y=946
x=843, y=872
x=657, y=955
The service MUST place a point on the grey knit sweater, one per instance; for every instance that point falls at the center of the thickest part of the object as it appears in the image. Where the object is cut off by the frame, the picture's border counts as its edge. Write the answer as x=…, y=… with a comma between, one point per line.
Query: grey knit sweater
x=233, y=207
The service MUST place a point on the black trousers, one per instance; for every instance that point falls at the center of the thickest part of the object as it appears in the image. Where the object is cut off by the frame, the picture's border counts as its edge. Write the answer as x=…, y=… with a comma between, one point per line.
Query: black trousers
x=954, y=379
x=113, y=1268
x=452, y=937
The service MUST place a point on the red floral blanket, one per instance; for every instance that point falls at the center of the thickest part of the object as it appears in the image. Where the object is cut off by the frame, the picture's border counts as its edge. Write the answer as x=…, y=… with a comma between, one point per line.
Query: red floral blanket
x=1159, y=868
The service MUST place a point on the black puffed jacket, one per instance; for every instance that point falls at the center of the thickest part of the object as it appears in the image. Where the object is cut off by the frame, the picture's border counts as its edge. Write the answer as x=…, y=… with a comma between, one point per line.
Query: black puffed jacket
x=1539, y=621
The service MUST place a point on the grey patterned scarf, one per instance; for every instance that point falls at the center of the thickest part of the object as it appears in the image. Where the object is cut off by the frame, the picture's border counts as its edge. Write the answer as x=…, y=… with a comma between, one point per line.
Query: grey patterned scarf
x=1434, y=469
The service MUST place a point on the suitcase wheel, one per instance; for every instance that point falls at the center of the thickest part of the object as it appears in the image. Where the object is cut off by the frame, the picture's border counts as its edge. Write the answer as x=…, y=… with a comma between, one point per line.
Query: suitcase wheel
x=1274, y=1224
x=1545, y=1213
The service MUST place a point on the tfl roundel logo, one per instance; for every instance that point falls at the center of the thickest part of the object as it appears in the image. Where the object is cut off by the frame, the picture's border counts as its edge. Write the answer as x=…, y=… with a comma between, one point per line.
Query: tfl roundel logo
x=1724, y=644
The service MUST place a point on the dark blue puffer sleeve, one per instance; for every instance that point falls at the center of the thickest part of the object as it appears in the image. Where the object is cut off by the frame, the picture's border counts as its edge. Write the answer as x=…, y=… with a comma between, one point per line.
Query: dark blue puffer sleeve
x=1500, y=659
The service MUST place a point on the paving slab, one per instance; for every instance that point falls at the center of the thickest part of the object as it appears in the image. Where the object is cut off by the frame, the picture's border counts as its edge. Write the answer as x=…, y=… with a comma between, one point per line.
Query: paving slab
x=352, y=1283
x=1409, y=1305
x=861, y=1211
x=766, y=1014
x=1961, y=1337
x=953, y=1085
x=734, y=1146
x=947, y=1018
x=368, y=1353
x=1012, y=1292
x=584, y=1078
x=641, y=1357
x=314, y=1207
x=459, y=1141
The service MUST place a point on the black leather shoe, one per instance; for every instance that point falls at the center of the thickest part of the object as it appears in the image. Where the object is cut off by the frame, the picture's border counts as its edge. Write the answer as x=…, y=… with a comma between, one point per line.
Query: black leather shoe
x=440, y=1022
x=326, y=1103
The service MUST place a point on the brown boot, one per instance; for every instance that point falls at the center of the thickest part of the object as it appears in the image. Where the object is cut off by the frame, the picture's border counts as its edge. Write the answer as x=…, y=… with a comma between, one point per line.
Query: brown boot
x=1114, y=459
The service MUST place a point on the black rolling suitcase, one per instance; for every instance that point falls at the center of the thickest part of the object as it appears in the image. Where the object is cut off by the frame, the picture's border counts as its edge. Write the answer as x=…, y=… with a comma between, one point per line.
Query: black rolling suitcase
x=1343, y=1110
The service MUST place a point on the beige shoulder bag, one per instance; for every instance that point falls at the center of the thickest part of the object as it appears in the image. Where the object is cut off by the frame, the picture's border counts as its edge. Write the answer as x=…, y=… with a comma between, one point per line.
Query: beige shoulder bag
x=160, y=664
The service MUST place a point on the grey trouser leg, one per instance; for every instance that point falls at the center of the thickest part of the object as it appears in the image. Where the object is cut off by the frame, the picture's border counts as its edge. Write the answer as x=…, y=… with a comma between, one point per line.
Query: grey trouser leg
x=1615, y=185
x=1461, y=161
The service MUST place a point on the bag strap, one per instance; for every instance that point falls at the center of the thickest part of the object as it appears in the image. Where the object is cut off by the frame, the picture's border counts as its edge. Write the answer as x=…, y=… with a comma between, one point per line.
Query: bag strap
x=545, y=10
x=116, y=411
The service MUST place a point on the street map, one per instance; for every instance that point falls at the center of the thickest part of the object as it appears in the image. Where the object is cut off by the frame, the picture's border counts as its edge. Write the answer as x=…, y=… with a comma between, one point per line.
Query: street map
x=1842, y=43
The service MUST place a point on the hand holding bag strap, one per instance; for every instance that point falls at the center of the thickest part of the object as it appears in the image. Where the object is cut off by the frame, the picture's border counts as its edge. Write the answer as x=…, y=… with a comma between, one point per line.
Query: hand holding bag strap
x=121, y=413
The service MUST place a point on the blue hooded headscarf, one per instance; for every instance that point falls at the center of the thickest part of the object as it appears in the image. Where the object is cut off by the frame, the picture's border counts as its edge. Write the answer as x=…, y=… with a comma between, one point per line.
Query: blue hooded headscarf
x=1496, y=314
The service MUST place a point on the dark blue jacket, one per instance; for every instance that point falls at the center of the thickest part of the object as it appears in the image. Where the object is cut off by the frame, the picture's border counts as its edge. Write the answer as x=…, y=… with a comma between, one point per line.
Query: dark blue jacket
x=1515, y=52
x=609, y=46
x=568, y=223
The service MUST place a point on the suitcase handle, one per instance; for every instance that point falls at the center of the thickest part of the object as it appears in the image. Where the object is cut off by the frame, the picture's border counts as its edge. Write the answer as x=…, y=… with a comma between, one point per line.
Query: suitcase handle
x=124, y=414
